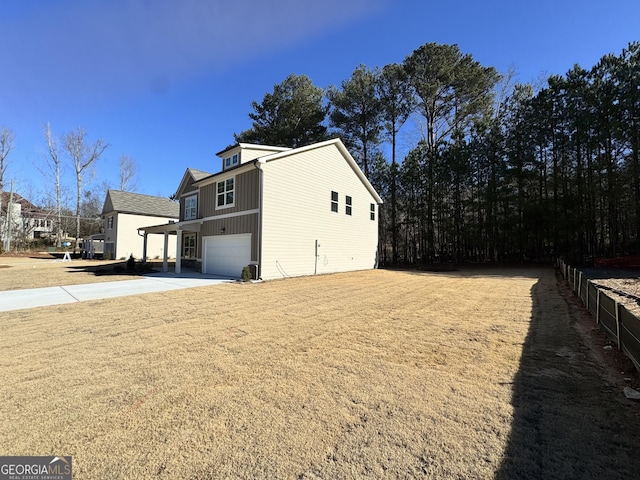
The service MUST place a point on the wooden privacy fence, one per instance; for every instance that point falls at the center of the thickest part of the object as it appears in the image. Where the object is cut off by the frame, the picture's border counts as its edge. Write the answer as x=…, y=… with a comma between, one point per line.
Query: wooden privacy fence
x=619, y=324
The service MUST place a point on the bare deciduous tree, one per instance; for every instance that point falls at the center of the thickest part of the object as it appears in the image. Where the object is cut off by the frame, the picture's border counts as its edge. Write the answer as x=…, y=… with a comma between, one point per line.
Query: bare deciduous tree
x=52, y=173
x=128, y=172
x=83, y=156
x=7, y=138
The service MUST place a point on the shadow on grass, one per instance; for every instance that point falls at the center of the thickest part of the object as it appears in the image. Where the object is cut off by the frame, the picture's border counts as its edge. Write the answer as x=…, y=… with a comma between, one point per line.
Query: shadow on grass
x=115, y=268
x=568, y=422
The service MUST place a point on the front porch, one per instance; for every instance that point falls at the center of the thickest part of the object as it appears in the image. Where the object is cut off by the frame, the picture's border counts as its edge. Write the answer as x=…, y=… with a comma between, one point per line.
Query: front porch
x=167, y=229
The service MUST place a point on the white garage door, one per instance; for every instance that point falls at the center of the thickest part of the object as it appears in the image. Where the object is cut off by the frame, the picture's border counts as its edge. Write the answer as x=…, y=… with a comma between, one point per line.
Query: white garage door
x=226, y=254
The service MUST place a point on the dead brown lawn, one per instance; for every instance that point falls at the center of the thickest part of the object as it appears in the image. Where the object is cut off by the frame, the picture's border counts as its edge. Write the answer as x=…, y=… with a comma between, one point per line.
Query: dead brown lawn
x=36, y=272
x=377, y=374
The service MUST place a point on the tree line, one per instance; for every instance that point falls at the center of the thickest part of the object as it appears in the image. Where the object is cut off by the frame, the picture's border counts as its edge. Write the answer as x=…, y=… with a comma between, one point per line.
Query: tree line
x=497, y=171
x=500, y=172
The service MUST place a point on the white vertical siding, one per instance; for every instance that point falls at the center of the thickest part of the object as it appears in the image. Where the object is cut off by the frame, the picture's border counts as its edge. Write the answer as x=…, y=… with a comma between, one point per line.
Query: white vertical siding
x=297, y=213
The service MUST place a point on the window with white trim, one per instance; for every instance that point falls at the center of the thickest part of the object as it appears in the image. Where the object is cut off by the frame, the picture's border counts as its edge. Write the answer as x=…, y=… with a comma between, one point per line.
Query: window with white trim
x=189, y=245
x=191, y=207
x=334, y=202
x=373, y=211
x=226, y=192
x=231, y=161
x=347, y=203
x=110, y=221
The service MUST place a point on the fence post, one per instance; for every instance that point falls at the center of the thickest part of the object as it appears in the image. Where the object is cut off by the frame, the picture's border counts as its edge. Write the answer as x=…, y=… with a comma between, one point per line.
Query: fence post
x=580, y=285
x=618, y=315
x=598, y=308
x=587, y=295
x=572, y=278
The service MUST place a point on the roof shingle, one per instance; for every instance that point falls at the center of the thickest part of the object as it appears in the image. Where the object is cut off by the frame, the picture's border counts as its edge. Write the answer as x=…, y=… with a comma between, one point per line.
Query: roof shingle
x=137, y=203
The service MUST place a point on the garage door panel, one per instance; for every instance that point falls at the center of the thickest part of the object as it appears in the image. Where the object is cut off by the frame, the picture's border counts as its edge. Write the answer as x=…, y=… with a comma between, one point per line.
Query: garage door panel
x=226, y=254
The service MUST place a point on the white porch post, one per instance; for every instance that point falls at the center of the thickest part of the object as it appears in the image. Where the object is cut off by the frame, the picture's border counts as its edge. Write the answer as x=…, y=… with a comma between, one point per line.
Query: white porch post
x=178, y=250
x=165, y=261
x=144, y=248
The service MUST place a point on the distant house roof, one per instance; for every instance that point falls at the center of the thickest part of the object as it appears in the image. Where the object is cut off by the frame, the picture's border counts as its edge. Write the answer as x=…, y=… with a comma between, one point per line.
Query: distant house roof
x=139, y=204
x=27, y=208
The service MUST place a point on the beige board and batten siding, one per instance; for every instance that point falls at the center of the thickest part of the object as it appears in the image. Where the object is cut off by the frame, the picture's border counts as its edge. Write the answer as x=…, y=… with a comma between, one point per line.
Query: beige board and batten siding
x=297, y=213
x=246, y=194
x=240, y=218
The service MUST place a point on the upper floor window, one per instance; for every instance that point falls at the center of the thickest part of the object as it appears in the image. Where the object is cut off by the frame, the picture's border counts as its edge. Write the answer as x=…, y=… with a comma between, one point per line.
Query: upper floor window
x=226, y=193
x=334, y=202
x=231, y=161
x=347, y=202
x=191, y=207
x=110, y=221
x=373, y=211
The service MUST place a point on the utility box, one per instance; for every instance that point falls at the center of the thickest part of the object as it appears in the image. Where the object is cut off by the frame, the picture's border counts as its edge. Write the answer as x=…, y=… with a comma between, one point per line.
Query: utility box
x=254, y=268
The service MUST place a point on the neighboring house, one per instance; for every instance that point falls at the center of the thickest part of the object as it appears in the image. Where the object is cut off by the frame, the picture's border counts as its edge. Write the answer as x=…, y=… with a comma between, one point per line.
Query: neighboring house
x=124, y=212
x=286, y=212
x=22, y=219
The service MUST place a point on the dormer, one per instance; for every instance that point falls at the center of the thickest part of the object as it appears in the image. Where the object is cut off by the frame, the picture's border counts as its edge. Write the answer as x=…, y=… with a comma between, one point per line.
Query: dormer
x=245, y=152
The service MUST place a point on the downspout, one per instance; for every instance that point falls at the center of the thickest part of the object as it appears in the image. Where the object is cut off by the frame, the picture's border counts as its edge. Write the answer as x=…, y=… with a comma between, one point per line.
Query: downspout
x=258, y=165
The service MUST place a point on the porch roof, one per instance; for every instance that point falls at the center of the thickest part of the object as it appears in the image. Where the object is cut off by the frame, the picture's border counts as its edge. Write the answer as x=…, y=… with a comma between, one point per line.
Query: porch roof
x=172, y=228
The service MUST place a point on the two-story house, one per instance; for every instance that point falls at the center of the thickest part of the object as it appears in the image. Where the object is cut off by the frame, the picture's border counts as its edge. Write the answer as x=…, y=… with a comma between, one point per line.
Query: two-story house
x=21, y=221
x=122, y=214
x=286, y=212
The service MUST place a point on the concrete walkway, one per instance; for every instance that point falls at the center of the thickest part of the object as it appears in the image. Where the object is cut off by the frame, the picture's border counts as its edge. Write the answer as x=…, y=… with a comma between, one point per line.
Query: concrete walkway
x=154, y=282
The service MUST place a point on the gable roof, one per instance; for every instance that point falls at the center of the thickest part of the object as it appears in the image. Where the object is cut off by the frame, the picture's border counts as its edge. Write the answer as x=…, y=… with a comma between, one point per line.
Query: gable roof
x=345, y=153
x=190, y=176
x=26, y=207
x=286, y=152
x=252, y=146
x=140, y=204
x=198, y=174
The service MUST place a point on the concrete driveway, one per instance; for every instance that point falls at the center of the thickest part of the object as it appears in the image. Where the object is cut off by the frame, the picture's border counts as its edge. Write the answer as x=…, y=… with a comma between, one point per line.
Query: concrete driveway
x=154, y=282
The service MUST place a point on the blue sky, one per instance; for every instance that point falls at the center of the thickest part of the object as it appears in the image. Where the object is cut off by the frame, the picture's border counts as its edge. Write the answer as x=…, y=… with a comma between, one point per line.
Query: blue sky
x=168, y=82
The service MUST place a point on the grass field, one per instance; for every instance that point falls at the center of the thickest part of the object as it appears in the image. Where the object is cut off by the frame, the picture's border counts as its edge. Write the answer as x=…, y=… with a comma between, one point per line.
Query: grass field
x=44, y=271
x=378, y=374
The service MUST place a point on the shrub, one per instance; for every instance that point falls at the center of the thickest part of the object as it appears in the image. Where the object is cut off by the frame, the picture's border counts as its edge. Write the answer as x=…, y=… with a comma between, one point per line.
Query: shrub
x=131, y=263
x=144, y=267
x=246, y=274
